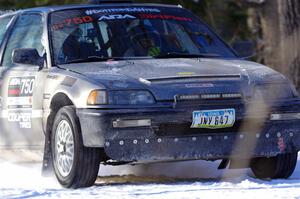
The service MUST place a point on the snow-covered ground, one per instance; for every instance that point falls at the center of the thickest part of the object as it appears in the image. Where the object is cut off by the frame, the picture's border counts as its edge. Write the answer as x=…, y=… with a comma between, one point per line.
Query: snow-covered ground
x=182, y=180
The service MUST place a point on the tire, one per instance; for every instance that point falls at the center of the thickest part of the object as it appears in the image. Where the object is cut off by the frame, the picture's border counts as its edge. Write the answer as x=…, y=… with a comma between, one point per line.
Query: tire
x=75, y=166
x=281, y=166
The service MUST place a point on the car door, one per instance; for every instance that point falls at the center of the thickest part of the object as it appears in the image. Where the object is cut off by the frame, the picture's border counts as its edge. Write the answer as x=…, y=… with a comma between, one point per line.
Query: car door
x=22, y=86
x=5, y=23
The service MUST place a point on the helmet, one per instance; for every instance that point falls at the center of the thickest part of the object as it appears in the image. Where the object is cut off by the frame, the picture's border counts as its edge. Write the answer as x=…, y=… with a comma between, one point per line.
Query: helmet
x=144, y=36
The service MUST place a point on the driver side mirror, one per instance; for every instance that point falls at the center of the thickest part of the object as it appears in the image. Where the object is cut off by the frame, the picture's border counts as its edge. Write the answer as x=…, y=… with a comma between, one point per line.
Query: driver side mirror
x=27, y=56
x=244, y=49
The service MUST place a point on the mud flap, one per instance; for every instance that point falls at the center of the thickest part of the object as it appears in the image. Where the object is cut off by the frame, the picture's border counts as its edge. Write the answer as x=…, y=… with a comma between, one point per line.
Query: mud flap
x=224, y=164
x=47, y=168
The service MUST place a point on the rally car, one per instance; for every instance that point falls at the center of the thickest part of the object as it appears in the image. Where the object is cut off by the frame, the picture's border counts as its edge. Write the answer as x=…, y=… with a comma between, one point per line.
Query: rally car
x=129, y=83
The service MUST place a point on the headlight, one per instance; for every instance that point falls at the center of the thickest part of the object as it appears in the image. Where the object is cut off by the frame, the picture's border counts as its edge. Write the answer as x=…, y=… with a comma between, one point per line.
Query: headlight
x=131, y=98
x=97, y=97
x=271, y=92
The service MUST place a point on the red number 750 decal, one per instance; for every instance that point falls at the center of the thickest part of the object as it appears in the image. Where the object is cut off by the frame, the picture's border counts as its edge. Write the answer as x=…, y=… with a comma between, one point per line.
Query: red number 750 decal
x=71, y=22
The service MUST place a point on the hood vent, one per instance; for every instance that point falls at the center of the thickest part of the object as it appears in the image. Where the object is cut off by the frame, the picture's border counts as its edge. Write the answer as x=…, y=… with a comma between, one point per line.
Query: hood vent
x=184, y=79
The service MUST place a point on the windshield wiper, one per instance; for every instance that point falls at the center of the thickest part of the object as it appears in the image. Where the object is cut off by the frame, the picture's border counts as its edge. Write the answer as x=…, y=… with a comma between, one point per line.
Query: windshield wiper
x=184, y=55
x=91, y=59
x=103, y=59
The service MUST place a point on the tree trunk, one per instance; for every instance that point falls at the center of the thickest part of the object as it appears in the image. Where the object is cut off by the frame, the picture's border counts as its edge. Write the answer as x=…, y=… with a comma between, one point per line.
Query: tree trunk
x=280, y=22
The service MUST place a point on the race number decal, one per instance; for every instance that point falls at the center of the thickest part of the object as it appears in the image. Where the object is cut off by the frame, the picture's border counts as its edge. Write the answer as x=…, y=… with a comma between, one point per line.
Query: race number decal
x=20, y=91
x=21, y=86
x=71, y=22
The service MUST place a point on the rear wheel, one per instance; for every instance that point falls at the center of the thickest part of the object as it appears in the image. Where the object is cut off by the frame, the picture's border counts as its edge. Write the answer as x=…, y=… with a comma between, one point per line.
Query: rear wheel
x=281, y=166
x=75, y=166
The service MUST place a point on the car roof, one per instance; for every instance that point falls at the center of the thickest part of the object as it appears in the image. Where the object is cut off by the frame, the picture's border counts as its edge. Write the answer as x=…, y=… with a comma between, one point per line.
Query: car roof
x=50, y=9
x=8, y=13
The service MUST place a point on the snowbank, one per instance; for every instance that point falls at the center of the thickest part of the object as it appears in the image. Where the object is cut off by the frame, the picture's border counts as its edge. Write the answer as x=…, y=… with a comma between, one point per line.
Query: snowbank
x=197, y=179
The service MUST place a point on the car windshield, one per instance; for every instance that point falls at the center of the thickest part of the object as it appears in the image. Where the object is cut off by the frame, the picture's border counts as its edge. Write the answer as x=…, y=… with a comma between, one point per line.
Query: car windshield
x=97, y=34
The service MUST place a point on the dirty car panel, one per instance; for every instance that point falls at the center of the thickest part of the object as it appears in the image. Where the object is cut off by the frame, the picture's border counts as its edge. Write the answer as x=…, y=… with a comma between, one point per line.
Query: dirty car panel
x=127, y=83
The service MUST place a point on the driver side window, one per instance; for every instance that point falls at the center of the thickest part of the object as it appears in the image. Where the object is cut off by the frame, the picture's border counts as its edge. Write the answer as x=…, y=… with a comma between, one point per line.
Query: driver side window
x=27, y=33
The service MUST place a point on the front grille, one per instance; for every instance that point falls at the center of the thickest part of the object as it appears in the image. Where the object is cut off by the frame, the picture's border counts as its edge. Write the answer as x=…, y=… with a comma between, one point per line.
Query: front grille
x=175, y=129
x=208, y=96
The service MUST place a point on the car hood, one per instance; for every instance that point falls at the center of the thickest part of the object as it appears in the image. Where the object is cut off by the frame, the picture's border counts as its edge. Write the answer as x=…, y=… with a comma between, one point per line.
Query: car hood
x=166, y=78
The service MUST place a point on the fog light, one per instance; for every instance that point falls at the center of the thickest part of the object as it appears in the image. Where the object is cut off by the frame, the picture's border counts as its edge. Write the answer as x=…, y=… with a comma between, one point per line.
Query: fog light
x=131, y=123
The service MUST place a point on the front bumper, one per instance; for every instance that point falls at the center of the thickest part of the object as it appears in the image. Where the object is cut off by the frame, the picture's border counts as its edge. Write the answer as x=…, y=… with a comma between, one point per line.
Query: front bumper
x=170, y=138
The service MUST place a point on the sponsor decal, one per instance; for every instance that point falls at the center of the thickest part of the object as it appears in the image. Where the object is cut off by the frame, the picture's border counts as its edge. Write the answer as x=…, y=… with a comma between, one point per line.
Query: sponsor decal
x=54, y=77
x=204, y=85
x=22, y=118
x=117, y=16
x=120, y=10
x=88, y=19
x=20, y=91
x=164, y=17
x=185, y=73
x=21, y=86
x=71, y=22
x=19, y=102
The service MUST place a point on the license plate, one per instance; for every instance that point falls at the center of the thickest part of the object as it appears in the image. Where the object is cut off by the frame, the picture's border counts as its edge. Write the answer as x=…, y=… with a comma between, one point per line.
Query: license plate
x=214, y=119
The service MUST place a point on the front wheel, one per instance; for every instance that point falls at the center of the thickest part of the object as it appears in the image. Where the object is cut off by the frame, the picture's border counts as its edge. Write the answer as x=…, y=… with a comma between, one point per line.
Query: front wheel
x=281, y=166
x=74, y=165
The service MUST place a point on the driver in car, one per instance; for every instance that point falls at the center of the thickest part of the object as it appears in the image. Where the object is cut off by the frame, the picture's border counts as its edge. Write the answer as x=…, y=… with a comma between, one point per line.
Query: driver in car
x=145, y=41
x=71, y=47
